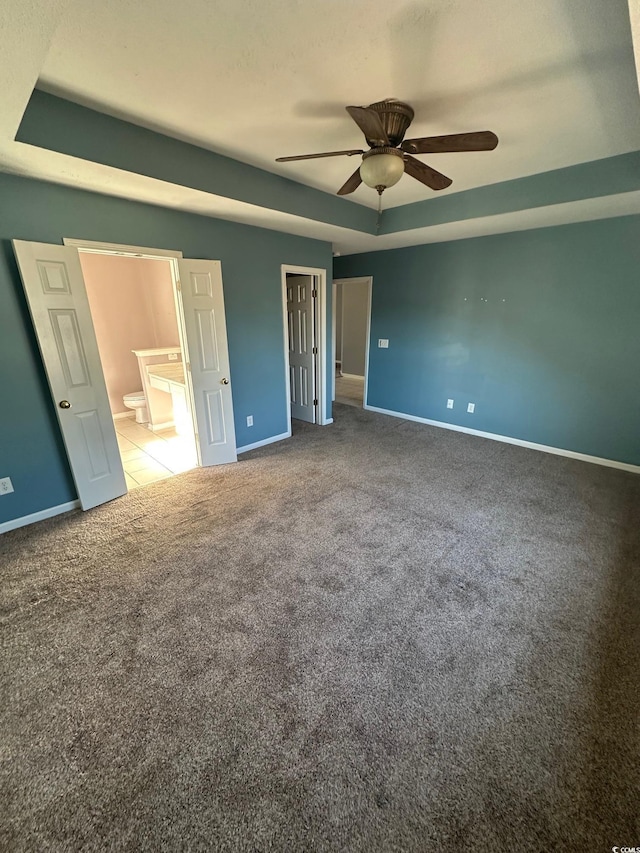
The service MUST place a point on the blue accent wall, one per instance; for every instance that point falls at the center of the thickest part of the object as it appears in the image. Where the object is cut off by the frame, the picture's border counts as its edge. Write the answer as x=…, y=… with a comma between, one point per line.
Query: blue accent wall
x=540, y=329
x=31, y=449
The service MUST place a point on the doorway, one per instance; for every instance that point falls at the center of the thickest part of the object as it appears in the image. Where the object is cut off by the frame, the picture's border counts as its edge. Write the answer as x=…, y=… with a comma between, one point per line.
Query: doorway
x=135, y=318
x=305, y=339
x=352, y=321
x=56, y=294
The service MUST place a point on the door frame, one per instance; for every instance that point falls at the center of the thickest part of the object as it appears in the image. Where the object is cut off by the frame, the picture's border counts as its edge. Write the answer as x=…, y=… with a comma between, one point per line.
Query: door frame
x=320, y=318
x=172, y=256
x=367, y=279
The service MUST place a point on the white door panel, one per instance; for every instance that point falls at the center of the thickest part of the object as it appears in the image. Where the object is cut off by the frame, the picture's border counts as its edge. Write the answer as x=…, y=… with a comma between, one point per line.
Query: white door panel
x=300, y=324
x=206, y=334
x=54, y=286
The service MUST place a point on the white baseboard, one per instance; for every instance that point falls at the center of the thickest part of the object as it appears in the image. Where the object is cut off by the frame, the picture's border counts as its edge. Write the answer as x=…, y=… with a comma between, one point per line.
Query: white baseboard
x=352, y=376
x=545, y=448
x=157, y=427
x=264, y=442
x=122, y=415
x=38, y=516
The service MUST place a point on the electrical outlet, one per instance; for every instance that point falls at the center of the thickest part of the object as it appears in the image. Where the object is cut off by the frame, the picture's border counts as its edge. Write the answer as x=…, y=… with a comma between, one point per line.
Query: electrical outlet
x=383, y=343
x=6, y=486
x=449, y=404
x=173, y=356
x=249, y=420
x=471, y=408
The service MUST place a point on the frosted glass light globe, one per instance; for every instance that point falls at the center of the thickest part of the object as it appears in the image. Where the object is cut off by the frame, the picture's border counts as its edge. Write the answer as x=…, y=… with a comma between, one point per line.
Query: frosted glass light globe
x=382, y=170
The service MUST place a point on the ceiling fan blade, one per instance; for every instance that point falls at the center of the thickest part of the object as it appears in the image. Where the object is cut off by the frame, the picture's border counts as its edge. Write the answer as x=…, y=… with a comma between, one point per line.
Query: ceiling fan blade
x=482, y=140
x=352, y=184
x=425, y=174
x=349, y=153
x=369, y=123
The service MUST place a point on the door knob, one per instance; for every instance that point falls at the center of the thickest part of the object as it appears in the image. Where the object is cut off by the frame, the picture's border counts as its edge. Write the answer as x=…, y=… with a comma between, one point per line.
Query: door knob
x=225, y=381
x=64, y=404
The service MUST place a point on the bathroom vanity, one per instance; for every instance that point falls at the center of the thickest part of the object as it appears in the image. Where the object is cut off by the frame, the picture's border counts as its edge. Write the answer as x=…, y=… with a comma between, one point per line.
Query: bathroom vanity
x=170, y=378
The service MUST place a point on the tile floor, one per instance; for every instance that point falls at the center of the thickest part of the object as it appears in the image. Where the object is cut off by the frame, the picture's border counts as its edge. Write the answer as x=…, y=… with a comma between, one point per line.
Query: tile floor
x=349, y=391
x=149, y=456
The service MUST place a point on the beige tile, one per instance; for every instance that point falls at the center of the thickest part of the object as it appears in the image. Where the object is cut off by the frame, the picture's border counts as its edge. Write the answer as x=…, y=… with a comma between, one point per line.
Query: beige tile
x=144, y=463
x=166, y=433
x=125, y=444
x=131, y=483
x=134, y=465
x=128, y=455
x=147, y=476
x=135, y=431
x=148, y=440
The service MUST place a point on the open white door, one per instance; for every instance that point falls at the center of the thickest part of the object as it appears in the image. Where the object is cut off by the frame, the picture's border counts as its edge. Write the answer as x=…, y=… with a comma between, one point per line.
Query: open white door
x=208, y=360
x=55, y=290
x=302, y=377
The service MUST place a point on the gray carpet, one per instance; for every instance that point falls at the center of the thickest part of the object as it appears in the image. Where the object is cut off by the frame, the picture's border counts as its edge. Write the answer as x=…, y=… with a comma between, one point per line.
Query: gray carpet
x=376, y=636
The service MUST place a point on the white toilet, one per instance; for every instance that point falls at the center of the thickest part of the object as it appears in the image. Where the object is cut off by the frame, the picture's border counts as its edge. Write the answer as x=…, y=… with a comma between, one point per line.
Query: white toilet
x=138, y=402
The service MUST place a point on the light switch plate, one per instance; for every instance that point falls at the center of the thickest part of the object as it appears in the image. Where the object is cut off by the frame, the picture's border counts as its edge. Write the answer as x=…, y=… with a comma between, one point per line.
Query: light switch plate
x=471, y=408
x=449, y=404
x=383, y=343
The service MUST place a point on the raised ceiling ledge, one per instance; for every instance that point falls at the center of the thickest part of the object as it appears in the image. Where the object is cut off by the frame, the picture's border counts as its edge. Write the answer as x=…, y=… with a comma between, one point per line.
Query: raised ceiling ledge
x=55, y=124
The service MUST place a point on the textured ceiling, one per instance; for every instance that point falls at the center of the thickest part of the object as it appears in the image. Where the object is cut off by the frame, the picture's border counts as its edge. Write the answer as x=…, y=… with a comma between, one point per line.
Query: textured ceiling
x=555, y=79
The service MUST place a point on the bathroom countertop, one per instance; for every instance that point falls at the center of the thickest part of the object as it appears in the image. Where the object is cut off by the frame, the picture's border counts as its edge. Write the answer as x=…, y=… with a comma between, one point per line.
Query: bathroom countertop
x=166, y=374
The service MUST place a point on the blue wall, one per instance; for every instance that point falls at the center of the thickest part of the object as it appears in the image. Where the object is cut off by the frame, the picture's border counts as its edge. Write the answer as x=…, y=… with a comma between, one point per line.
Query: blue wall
x=31, y=449
x=540, y=329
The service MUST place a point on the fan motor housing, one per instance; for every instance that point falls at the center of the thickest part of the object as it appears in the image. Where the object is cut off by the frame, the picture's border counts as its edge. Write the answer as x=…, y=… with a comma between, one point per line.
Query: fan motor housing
x=396, y=116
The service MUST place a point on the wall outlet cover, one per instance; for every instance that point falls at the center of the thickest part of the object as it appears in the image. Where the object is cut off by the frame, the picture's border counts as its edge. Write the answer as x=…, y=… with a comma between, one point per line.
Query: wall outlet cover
x=6, y=486
x=249, y=420
x=471, y=408
x=173, y=356
x=449, y=404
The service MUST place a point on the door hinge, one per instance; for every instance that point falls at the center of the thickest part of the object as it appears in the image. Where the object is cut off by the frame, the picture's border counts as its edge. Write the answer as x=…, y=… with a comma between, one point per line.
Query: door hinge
x=178, y=285
x=315, y=402
x=315, y=350
x=189, y=367
x=314, y=293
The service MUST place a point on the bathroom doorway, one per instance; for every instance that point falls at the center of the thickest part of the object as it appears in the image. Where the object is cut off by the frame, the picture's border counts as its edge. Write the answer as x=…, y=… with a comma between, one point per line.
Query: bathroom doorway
x=135, y=318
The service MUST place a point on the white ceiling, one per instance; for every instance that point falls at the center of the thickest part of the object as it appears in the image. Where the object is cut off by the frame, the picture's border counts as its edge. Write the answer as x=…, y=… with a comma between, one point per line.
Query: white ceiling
x=555, y=79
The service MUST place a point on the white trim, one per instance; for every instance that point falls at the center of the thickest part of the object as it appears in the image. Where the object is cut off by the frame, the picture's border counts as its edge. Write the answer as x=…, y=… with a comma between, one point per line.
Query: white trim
x=519, y=442
x=122, y=415
x=369, y=280
x=264, y=441
x=351, y=376
x=5, y=526
x=321, y=286
x=100, y=248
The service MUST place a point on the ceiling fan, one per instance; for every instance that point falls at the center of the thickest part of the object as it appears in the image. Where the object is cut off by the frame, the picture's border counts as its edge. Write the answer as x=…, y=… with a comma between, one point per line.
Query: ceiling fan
x=384, y=125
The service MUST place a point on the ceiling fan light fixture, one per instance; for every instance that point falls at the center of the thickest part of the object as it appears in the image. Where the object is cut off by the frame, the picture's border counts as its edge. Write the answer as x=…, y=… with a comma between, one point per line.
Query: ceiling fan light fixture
x=382, y=168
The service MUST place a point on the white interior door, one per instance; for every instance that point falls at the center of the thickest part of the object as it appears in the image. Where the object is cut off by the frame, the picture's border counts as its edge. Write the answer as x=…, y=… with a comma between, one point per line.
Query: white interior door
x=208, y=359
x=55, y=290
x=300, y=323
